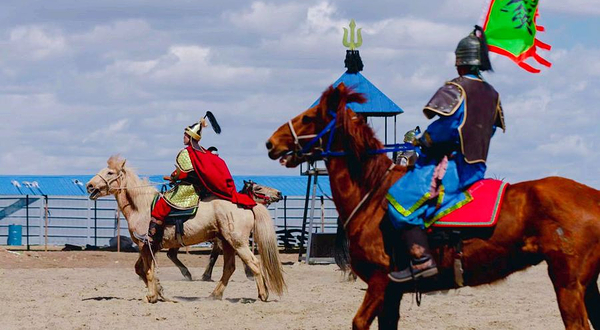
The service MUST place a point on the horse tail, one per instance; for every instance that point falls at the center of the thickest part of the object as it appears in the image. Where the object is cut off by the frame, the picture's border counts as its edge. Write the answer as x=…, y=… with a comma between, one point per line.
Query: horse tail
x=342, y=250
x=265, y=237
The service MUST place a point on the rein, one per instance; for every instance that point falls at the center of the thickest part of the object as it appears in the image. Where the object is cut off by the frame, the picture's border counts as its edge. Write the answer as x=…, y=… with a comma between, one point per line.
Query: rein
x=366, y=197
x=318, y=152
x=305, y=150
x=108, y=182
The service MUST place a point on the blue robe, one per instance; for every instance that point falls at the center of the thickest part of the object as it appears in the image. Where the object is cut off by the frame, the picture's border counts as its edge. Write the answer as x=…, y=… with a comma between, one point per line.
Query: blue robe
x=409, y=198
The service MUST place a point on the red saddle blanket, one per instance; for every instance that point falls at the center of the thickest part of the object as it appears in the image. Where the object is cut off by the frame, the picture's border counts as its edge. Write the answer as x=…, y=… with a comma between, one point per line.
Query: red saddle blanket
x=482, y=211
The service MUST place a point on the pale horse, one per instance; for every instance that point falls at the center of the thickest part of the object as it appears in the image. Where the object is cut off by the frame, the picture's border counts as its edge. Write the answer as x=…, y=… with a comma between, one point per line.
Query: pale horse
x=215, y=218
x=261, y=194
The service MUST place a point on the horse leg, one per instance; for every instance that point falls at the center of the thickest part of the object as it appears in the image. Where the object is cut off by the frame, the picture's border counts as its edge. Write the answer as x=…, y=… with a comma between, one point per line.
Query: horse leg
x=570, y=295
x=214, y=255
x=373, y=302
x=228, y=269
x=390, y=314
x=154, y=288
x=139, y=269
x=172, y=255
x=592, y=303
x=247, y=269
x=254, y=265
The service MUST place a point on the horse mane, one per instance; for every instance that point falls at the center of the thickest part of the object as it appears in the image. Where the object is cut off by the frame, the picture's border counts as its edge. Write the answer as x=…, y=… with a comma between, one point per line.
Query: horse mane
x=140, y=192
x=358, y=136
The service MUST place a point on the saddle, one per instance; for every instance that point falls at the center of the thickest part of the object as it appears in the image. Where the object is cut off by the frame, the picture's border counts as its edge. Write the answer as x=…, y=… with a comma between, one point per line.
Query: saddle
x=476, y=219
x=177, y=218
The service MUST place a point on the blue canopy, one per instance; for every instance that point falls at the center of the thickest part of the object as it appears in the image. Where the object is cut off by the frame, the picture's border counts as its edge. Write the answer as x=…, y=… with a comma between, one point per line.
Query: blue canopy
x=378, y=104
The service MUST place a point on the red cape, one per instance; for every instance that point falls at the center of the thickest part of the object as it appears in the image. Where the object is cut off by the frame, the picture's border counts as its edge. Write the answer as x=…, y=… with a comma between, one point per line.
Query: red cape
x=214, y=175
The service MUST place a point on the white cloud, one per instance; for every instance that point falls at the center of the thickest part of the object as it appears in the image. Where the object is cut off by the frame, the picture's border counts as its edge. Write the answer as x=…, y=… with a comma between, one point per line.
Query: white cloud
x=33, y=43
x=567, y=145
x=267, y=18
x=579, y=7
x=129, y=80
x=36, y=42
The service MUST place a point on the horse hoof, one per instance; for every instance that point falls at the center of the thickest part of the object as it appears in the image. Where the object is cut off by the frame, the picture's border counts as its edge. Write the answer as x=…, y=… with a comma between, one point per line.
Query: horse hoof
x=215, y=297
x=206, y=278
x=263, y=297
x=188, y=275
x=152, y=298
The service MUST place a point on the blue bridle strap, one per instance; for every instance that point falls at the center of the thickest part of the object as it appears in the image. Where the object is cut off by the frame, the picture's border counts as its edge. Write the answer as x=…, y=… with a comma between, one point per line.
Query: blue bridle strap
x=329, y=127
x=328, y=153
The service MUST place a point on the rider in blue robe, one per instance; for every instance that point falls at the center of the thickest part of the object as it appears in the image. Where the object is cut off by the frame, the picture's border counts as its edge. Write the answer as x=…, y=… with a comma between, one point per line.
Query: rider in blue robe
x=453, y=153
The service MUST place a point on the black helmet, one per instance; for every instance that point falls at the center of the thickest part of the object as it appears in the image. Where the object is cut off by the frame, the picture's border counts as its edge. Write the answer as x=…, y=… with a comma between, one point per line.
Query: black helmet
x=473, y=51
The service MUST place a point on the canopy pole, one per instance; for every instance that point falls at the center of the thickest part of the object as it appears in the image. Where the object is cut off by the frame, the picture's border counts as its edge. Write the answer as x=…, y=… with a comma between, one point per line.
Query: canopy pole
x=46, y=223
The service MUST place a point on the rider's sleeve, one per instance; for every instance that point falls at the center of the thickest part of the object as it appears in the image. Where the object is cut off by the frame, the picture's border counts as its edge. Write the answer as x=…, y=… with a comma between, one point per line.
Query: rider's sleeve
x=444, y=129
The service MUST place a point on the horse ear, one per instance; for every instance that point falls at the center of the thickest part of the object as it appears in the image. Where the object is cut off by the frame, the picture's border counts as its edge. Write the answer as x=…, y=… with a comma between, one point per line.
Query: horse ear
x=122, y=166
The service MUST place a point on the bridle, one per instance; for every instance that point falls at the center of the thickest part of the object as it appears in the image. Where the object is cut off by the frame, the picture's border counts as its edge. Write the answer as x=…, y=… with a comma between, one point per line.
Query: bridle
x=250, y=191
x=303, y=151
x=109, y=182
x=317, y=151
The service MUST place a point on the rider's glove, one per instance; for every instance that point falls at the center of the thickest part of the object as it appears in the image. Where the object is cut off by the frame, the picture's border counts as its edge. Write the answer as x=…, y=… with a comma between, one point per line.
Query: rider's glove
x=424, y=141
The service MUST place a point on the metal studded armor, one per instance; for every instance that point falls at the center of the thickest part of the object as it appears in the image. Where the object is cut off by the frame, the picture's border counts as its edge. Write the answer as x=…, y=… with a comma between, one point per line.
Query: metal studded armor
x=482, y=112
x=184, y=194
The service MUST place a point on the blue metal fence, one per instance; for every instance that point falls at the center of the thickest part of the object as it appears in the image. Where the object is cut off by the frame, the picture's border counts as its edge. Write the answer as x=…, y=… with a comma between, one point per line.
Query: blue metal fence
x=79, y=221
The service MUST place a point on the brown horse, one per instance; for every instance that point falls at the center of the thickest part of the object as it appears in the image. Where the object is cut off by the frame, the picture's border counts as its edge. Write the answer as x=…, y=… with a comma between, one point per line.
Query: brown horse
x=556, y=220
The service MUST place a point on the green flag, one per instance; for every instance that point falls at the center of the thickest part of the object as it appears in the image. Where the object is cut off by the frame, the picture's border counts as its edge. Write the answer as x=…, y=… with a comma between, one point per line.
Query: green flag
x=510, y=29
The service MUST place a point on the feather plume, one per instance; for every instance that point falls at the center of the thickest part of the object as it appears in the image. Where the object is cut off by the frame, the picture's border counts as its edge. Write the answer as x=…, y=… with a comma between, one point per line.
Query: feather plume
x=213, y=122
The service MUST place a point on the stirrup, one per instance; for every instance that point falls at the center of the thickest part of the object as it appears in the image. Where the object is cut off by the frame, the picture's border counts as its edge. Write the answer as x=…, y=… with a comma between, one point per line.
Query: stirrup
x=410, y=273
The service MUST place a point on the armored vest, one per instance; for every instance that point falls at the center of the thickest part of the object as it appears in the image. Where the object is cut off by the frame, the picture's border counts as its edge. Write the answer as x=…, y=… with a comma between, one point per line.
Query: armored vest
x=184, y=195
x=482, y=112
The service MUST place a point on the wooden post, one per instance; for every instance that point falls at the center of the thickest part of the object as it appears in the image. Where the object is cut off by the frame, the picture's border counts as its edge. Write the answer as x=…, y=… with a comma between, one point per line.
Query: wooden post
x=46, y=223
x=118, y=219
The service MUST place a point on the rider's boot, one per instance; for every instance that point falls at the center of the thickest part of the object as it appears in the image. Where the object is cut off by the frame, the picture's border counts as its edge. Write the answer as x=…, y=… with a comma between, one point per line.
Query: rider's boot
x=421, y=262
x=155, y=232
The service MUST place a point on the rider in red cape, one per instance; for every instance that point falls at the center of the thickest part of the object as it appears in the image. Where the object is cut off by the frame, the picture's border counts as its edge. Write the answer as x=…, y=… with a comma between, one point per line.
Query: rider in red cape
x=215, y=177
x=198, y=171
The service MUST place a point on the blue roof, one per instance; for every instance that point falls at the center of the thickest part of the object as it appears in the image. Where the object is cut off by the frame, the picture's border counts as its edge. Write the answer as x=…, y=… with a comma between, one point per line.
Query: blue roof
x=74, y=185
x=378, y=104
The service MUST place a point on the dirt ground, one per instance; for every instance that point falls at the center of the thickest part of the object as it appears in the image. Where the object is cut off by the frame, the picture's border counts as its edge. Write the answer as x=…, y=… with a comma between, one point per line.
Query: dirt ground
x=100, y=290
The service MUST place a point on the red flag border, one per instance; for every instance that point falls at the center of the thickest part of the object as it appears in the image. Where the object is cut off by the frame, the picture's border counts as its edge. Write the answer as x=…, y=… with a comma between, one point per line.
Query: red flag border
x=530, y=52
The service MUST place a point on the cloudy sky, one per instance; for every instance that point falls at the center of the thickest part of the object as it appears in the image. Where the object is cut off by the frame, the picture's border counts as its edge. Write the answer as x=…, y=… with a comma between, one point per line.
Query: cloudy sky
x=82, y=80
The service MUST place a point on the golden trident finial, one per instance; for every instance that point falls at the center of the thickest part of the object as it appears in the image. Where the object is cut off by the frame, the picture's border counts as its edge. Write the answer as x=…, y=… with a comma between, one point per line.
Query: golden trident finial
x=352, y=45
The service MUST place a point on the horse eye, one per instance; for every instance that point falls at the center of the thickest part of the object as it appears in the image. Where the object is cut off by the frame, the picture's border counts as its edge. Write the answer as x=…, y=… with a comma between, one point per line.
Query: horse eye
x=306, y=119
x=110, y=173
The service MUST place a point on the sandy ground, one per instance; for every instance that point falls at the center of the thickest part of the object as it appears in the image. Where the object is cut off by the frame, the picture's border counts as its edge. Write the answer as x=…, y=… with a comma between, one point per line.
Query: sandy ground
x=99, y=290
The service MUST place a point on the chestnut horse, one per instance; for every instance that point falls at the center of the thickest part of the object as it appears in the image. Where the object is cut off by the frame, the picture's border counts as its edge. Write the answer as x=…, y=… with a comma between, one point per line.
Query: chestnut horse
x=554, y=219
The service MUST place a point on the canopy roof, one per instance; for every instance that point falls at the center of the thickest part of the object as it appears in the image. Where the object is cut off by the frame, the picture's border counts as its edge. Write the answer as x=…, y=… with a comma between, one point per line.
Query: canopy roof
x=378, y=104
x=74, y=185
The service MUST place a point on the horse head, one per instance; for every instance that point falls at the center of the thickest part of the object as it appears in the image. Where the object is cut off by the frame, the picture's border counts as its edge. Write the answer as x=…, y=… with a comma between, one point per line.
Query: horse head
x=261, y=194
x=108, y=180
x=305, y=137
